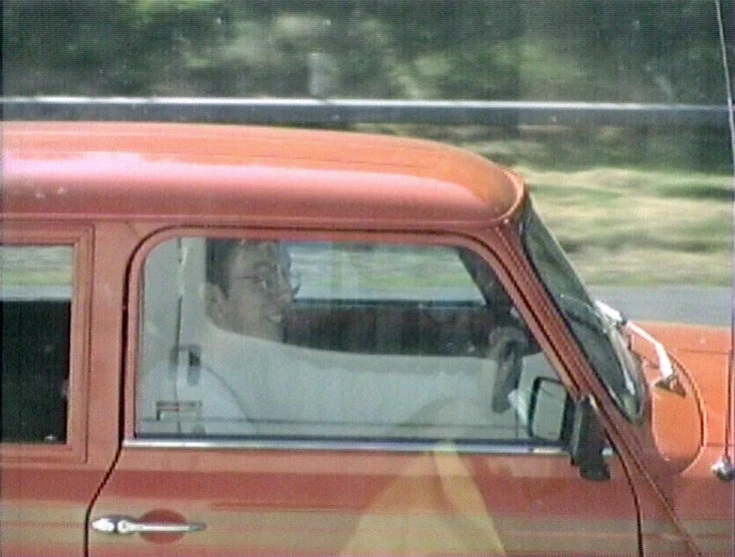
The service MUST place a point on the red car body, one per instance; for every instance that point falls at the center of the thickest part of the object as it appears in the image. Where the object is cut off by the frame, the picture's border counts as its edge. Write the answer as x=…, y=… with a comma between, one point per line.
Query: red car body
x=114, y=191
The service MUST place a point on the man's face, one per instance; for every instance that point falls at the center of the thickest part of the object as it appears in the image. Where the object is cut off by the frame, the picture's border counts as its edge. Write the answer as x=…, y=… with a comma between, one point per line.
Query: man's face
x=258, y=295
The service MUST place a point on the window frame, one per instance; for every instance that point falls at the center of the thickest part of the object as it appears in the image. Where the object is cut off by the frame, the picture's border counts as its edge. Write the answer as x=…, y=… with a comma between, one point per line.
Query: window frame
x=80, y=239
x=131, y=437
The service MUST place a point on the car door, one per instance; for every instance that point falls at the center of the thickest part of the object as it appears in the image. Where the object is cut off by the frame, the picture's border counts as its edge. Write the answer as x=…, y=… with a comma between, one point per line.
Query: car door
x=389, y=415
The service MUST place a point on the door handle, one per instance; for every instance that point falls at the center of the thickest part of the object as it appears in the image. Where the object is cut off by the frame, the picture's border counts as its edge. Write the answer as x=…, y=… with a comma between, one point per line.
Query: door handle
x=124, y=525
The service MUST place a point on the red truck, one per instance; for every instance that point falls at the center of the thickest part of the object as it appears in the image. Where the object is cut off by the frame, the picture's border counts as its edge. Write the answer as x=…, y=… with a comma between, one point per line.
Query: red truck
x=223, y=340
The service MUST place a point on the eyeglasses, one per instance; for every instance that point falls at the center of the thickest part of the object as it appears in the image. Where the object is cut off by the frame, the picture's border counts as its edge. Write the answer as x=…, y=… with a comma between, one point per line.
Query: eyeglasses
x=275, y=280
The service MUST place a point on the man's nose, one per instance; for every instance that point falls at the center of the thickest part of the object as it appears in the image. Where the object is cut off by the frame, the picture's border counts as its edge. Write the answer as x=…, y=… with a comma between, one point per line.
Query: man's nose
x=285, y=294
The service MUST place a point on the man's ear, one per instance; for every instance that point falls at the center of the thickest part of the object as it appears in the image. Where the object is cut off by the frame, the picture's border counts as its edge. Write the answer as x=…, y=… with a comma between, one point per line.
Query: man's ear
x=215, y=303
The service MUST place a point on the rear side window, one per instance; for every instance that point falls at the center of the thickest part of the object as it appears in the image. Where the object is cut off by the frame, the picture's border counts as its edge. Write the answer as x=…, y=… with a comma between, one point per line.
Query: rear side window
x=36, y=284
x=343, y=342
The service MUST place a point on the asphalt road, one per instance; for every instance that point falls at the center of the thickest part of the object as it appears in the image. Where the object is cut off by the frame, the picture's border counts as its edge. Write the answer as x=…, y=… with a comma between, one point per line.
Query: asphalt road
x=680, y=304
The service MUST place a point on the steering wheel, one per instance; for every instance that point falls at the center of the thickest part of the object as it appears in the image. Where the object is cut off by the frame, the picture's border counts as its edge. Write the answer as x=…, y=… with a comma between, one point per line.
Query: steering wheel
x=507, y=346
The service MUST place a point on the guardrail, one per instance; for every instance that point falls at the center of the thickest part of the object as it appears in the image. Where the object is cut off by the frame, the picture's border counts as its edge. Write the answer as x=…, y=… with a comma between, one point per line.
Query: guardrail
x=336, y=112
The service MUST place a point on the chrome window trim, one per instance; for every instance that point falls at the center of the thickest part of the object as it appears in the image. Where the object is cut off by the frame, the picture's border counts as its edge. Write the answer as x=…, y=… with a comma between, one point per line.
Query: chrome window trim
x=322, y=445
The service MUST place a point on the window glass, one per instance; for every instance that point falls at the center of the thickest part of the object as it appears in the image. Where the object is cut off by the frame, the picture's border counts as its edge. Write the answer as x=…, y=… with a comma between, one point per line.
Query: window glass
x=365, y=272
x=331, y=341
x=35, y=293
x=601, y=341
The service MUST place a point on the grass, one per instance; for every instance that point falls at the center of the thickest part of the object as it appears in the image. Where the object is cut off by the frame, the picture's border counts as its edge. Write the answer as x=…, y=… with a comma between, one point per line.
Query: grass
x=631, y=207
x=618, y=229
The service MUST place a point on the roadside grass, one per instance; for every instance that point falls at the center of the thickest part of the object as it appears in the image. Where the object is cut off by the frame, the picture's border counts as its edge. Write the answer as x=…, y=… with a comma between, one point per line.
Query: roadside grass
x=631, y=207
x=618, y=228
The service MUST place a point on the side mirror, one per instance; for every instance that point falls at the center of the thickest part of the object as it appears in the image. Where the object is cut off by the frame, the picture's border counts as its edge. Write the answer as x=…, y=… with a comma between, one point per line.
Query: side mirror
x=587, y=442
x=554, y=417
x=549, y=411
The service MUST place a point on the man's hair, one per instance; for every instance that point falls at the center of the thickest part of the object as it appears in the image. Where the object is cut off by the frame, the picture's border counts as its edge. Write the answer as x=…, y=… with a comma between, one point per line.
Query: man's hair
x=219, y=254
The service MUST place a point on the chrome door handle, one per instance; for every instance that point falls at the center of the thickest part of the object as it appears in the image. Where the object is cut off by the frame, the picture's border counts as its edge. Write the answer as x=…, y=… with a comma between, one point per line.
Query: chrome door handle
x=125, y=525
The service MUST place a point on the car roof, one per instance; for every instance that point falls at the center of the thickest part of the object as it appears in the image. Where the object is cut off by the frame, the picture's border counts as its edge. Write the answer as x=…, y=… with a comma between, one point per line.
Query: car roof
x=202, y=173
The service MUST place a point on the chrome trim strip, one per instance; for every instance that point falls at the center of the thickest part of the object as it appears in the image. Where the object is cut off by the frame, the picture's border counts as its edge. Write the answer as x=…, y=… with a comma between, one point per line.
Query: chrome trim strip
x=318, y=445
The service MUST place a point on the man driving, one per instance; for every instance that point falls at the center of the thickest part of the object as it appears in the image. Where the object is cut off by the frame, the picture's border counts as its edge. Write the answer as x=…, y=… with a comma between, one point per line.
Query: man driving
x=231, y=373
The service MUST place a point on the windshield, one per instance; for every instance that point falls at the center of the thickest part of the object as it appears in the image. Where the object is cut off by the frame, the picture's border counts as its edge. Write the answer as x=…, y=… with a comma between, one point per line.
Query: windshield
x=599, y=338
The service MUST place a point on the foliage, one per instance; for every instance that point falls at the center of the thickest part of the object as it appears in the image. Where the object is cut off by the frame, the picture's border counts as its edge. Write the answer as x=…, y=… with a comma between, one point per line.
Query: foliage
x=619, y=199
x=644, y=51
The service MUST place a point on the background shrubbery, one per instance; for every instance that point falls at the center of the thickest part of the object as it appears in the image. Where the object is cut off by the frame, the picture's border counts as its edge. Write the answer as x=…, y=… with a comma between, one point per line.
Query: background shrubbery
x=631, y=205
x=598, y=50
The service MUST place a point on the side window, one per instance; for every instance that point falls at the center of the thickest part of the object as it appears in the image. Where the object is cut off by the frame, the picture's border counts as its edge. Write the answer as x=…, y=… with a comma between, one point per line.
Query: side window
x=331, y=341
x=36, y=284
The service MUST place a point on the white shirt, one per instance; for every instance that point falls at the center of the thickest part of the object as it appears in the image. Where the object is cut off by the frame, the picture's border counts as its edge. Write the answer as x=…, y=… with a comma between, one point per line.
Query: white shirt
x=249, y=386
